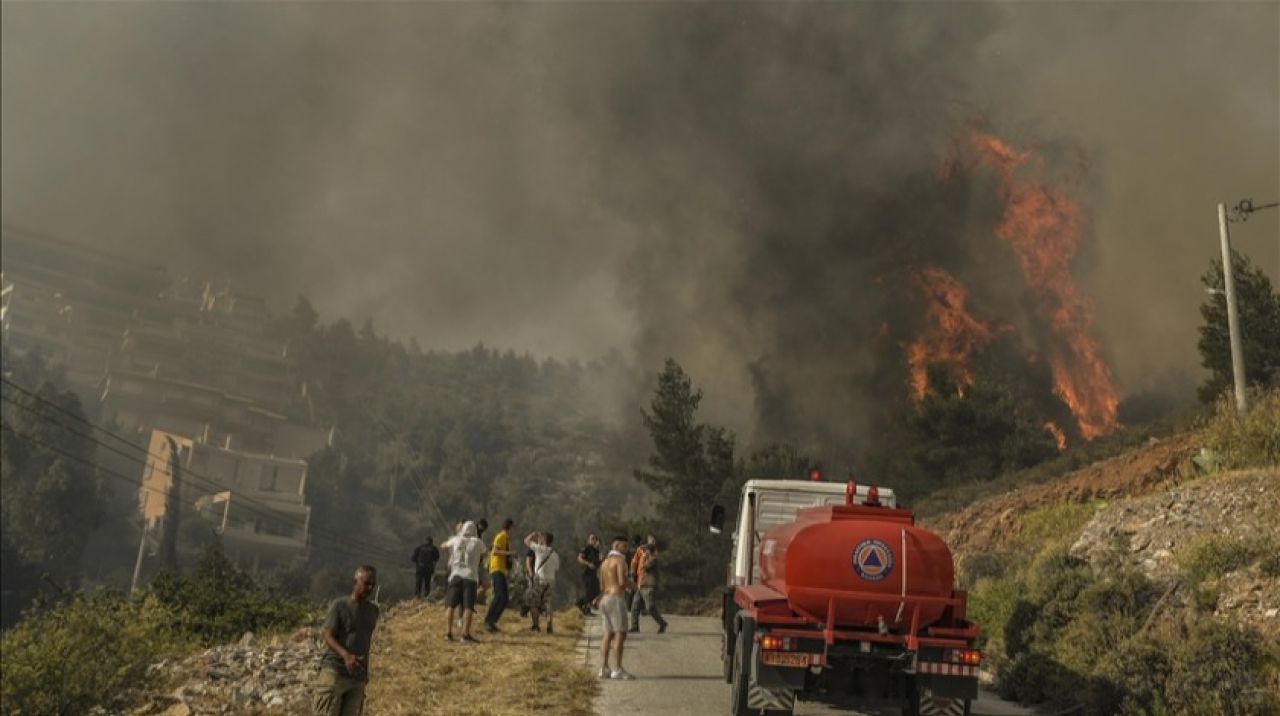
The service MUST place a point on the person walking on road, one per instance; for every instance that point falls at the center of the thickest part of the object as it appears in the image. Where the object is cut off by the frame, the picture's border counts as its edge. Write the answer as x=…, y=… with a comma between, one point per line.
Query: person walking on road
x=465, y=552
x=543, y=578
x=613, y=609
x=424, y=559
x=348, y=632
x=589, y=559
x=644, y=566
x=499, y=573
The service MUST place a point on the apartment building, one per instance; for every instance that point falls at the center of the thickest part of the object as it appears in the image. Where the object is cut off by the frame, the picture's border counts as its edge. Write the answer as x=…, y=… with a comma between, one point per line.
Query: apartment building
x=255, y=503
x=72, y=303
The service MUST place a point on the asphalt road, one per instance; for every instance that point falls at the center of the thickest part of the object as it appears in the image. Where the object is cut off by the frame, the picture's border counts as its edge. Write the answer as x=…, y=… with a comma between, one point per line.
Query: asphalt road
x=678, y=673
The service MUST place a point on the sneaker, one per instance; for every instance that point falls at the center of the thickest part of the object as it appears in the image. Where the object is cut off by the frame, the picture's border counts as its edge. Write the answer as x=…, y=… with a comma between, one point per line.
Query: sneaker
x=491, y=628
x=536, y=628
x=621, y=675
x=605, y=672
x=662, y=627
x=470, y=639
x=448, y=637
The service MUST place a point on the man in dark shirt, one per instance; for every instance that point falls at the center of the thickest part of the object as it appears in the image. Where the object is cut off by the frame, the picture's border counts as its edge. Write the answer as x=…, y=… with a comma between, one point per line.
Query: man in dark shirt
x=425, y=558
x=589, y=559
x=348, y=631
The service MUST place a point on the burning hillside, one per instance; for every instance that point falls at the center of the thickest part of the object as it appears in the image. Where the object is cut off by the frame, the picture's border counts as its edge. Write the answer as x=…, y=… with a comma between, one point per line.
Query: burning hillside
x=1042, y=225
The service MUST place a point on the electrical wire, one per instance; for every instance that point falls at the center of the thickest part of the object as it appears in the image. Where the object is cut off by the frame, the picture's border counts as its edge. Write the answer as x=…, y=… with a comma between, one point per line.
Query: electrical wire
x=135, y=482
x=200, y=481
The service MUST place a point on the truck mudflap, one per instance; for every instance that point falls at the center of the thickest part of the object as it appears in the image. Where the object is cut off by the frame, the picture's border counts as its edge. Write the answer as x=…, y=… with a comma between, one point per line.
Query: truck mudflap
x=934, y=705
x=760, y=697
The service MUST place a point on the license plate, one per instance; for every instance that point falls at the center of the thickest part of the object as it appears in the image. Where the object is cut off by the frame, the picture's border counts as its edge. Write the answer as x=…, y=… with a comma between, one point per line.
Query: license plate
x=785, y=658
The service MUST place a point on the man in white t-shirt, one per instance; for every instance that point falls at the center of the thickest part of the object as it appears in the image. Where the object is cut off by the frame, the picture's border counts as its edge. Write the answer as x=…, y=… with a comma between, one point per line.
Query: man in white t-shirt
x=465, y=552
x=545, y=565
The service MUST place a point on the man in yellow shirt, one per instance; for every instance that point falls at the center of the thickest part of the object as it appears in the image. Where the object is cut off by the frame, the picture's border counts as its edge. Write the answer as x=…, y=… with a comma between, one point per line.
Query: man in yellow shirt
x=499, y=568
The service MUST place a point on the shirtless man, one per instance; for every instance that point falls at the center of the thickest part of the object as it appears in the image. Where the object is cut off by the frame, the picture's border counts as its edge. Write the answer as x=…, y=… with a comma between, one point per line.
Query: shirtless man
x=613, y=608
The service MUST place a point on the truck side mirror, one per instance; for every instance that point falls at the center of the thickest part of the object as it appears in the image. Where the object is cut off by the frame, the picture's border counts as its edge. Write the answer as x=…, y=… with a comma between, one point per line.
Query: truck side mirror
x=717, y=519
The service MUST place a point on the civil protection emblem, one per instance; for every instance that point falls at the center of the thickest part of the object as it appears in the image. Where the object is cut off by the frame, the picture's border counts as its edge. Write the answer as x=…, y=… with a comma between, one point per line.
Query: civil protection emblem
x=872, y=560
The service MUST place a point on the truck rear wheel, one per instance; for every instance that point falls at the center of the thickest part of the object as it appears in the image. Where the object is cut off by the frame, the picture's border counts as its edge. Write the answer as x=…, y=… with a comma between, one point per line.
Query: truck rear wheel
x=741, y=668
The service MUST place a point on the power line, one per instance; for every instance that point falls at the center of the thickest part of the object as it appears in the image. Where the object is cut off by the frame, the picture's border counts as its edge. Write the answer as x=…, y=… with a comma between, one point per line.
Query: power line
x=209, y=483
x=135, y=483
x=246, y=503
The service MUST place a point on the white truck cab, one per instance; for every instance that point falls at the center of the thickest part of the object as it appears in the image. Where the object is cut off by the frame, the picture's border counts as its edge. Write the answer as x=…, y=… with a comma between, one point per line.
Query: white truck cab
x=768, y=503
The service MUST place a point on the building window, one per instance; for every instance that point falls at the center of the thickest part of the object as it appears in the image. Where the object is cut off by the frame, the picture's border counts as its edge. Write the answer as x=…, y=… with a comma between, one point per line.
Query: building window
x=267, y=480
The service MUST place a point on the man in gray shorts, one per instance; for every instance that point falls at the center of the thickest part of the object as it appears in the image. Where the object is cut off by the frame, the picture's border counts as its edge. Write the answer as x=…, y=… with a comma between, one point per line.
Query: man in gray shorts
x=613, y=608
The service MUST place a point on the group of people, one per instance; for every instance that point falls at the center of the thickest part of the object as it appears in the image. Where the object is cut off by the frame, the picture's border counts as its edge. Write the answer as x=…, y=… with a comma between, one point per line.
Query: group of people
x=464, y=582
x=620, y=584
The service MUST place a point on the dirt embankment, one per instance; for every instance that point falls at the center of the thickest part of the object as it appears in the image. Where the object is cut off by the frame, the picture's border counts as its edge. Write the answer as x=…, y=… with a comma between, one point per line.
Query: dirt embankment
x=993, y=524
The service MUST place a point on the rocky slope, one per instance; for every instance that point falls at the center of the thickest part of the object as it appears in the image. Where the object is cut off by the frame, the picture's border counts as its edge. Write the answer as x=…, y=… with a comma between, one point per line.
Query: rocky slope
x=1236, y=511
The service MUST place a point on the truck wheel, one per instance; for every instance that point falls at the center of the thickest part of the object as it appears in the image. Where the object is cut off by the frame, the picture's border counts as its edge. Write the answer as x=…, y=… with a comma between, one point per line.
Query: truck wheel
x=726, y=655
x=741, y=666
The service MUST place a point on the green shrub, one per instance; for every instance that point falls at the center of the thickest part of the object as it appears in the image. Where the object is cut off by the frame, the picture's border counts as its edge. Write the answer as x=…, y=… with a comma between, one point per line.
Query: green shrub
x=91, y=650
x=218, y=602
x=1056, y=525
x=1249, y=441
x=1132, y=678
x=1208, y=556
x=991, y=602
x=985, y=565
x=1216, y=669
x=1270, y=564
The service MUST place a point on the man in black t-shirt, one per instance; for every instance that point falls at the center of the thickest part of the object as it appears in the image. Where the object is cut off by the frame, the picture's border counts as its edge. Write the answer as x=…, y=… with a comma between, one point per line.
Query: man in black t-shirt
x=348, y=633
x=425, y=558
x=589, y=560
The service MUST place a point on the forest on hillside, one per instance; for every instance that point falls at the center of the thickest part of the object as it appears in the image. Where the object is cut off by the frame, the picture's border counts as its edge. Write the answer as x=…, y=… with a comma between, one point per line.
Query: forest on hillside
x=426, y=438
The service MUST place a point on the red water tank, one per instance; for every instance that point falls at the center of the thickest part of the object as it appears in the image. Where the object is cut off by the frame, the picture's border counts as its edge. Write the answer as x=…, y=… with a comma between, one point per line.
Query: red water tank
x=851, y=552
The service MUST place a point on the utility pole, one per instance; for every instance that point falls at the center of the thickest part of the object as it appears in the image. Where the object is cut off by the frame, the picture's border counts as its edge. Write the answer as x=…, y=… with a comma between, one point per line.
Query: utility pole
x=172, y=505
x=142, y=543
x=1233, y=313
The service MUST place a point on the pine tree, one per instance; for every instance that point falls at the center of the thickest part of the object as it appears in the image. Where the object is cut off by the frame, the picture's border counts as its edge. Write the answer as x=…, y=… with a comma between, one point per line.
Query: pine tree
x=1259, y=307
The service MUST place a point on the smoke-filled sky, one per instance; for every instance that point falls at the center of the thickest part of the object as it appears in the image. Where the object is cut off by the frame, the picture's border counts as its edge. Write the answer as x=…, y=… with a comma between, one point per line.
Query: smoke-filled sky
x=720, y=182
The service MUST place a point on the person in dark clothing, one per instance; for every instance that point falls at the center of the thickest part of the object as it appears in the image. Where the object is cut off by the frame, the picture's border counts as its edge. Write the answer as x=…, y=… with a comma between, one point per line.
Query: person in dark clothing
x=589, y=560
x=425, y=558
x=348, y=632
x=530, y=560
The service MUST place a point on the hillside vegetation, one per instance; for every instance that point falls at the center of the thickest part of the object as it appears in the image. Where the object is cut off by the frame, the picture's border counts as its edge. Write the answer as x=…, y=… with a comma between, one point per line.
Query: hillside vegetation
x=1144, y=584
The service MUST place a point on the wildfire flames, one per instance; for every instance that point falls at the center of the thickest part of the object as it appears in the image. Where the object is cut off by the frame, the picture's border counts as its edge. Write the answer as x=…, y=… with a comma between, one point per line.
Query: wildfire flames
x=1059, y=437
x=953, y=334
x=1043, y=226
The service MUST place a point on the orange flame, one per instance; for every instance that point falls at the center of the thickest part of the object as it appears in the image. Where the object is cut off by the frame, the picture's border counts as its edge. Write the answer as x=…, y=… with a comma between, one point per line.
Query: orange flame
x=1043, y=226
x=953, y=335
x=1059, y=437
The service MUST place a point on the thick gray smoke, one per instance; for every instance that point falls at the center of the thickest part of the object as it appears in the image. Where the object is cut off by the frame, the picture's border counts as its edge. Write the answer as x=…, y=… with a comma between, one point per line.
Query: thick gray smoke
x=735, y=185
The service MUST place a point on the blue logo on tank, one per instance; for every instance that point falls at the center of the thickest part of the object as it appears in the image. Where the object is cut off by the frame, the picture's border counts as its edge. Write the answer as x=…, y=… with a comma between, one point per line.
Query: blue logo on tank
x=872, y=560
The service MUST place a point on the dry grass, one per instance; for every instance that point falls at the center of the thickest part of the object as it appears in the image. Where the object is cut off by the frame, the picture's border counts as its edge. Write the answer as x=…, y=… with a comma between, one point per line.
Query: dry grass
x=415, y=671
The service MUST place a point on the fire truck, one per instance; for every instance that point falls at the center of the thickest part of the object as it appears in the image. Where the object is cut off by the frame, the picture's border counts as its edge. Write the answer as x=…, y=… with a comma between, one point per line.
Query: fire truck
x=835, y=596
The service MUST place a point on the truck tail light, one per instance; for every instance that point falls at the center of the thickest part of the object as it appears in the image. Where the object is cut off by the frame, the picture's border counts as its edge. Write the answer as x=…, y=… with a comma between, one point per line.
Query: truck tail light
x=775, y=643
x=968, y=657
